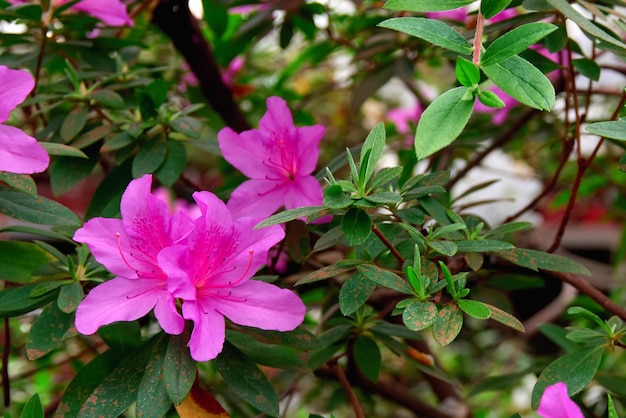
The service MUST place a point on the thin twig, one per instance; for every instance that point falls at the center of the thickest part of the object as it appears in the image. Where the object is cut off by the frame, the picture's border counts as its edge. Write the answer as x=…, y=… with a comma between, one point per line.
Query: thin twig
x=388, y=244
x=343, y=380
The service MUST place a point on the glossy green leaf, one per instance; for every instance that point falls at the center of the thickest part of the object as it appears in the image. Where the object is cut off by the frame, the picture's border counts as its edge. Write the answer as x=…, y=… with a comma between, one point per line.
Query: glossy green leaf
x=385, y=278
x=16, y=301
x=475, y=308
x=367, y=357
x=21, y=182
x=19, y=260
x=152, y=398
x=174, y=165
x=70, y=297
x=356, y=226
x=271, y=355
x=188, y=126
x=73, y=123
x=35, y=209
x=149, y=158
x=62, y=150
x=371, y=151
x=431, y=30
x=122, y=337
x=585, y=24
x=179, y=369
x=482, y=246
x=522, y=81
x=467, y=72
x=354, y=293
x=384, y=198
x=490, y=8
x=33, y=408
x=291, y=214
x=66, y=172
x=246, y=380
x=539, y=260
x=298, y=338
x=51, y=328
x=611, y=129
x=588, y=68
x=611, y=407
x=442, y=122
x=576, y=370
x=419, y=315
x=384, y=176
x=425, y=5
x=336, y=198
x=448, y=248
x=515, y=41
x=447, y=324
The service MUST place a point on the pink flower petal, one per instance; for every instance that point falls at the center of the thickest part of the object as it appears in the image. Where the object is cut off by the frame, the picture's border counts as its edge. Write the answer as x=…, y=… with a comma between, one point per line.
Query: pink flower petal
x=307, y=146
x=256, y=198
x=209, y=331
x=15, y=85
x=261, y=305
x=244, y=151
x=20, y=153
x=111, y=12
x=277, y=121
x=304, y=191
x=124, y=300
x=555, y=403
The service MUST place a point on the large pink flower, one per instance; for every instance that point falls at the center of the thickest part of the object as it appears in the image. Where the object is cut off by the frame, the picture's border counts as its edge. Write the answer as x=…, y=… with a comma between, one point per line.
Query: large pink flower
x=212, y=272
x=278, y=158
x=555, y=403
x=111, y=12
x=128, y=248
x=19, y=153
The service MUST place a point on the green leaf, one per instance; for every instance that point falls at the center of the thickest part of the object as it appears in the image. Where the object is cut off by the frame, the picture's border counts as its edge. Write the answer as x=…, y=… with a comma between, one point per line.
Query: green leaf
x=611, y=407
x=35, y=209
x=66, y=172
x=539, y=260
x=371, y=151
x=425, y=5
x=51, y=328
x=508, y=228
x=290, y=215
x=515, y=41
x=448, y=248
x=385, y=176
x=188, y=126
x=121, y=337
x=384, y=198
x=149, y=158
x=504, y=382
x=336, y=198
x=419, y=315
x=490, y=8
x=19, y=260
x=447, y=324
x=70, y=297
x=385, y=278
x=152, y=398
x=431, y=30
x=482, y=246
x=356, y=226
x=73, y=123
x=475, y=308
x=522, y=81
x=576, y=370
x=21, y=182
x=505, y=318
x=118, y=141
x=33, y=408
x=323, y=273
x=246, y=380
x=588, y=68
x=298, y=338
x=174, y=165
x=490, y=99
x=354, y=293
x=91, y=137
x=585, y=24
x=16, y=301
x=611, y=129
x=108, y=98
x=467, y=72
x=179, y=369
x=271, y=355
x=62, y=150
x=442, y=122
x=109, y=192
x=367, y=357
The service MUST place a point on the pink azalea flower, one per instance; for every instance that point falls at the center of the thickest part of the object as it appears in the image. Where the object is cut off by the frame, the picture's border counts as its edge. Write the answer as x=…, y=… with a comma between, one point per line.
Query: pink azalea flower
x=212, y=272
x=19, y=153
x=111, y=12
x=555, y=403
x=278, y=158
x=128, y=248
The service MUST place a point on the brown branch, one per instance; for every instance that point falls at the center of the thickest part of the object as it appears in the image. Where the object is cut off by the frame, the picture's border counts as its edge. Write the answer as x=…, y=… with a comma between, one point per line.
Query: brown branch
x=177, y=22
x=388, y=244
x=478, y=37
x=341, y=377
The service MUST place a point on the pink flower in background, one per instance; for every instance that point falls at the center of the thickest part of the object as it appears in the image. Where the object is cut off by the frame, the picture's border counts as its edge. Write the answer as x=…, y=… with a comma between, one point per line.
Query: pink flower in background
x=278, y=158
x=128, y=248
x=555, y=403
x=111, y=12
x=19, y=153
x=402, y=117
x=212, y=272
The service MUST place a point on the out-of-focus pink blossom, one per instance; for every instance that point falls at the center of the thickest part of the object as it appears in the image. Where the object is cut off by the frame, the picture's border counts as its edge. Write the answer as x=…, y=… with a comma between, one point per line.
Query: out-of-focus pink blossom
x=19, y=153
x=110, y=12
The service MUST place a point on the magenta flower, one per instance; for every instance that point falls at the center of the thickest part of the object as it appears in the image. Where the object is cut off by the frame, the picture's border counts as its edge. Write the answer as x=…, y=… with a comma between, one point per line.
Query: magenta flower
x=555, y=403
x=19, y=153
x=128, y=248
x=111, y=12
x=278, y=158
x=212, y=272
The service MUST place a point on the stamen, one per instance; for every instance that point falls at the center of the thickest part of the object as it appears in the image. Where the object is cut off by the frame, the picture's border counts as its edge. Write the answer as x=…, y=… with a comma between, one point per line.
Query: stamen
x=119, y=247
x=251, y=253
